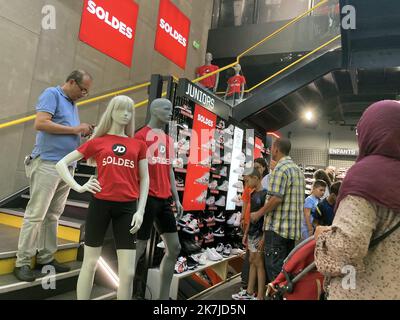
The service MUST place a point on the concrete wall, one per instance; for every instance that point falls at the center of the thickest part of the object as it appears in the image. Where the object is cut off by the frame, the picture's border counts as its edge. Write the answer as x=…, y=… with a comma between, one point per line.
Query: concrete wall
x=311, y=146
x=32, y=59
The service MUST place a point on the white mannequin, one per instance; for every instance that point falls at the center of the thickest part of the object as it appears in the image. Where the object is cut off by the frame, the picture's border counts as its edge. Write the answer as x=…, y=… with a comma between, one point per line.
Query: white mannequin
x=208, y=62
x=117, y=121
x=237, y=69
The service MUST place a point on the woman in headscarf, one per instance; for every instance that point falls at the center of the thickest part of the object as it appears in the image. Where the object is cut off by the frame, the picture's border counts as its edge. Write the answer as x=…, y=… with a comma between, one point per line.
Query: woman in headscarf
x=368, y=208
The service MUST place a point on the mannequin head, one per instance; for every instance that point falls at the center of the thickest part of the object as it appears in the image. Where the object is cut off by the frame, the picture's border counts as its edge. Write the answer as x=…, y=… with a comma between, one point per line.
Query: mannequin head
x=209, y=58
x=120, y=110
x=237, y=68
x=161, y=112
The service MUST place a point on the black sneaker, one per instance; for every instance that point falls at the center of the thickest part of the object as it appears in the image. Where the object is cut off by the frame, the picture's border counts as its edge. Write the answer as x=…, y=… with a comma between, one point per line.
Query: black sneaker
x=191, y=264
x=219, y=232
x=25, y=273
x=220, y=217
x=60, y=268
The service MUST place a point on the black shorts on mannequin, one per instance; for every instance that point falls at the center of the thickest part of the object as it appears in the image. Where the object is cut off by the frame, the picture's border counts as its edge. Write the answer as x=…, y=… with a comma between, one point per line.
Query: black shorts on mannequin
x=158, y=212
x=101, y=213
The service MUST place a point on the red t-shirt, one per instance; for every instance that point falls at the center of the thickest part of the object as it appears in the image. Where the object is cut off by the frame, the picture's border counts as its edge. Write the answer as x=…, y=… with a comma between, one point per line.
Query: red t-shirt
x=160, y=155
x=235, y=84
x=210, y=81
x=117, y=161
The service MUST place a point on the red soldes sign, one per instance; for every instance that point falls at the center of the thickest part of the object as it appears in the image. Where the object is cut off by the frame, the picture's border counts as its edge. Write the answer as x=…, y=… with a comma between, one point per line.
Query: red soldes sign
x=172, y=37
x=110, y=26
x=198, y=170
x=258, y=148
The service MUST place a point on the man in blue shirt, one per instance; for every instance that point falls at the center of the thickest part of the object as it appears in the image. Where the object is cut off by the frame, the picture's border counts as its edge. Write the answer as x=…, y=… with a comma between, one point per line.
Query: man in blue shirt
x=59, y=131
x=310, y=205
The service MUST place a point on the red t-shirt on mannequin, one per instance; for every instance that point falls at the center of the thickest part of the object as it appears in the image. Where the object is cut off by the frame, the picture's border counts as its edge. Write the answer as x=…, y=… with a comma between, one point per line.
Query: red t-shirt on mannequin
x=235, y=84
x=210, y=81
x=160, y=155
x=117, y=160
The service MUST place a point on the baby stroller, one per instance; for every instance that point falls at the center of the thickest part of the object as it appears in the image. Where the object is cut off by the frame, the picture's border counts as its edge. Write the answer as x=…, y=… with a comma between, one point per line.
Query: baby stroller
x=299, y=279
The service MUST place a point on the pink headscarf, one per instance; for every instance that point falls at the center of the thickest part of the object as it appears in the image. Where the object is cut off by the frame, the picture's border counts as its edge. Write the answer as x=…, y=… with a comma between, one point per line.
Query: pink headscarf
x=376, y=174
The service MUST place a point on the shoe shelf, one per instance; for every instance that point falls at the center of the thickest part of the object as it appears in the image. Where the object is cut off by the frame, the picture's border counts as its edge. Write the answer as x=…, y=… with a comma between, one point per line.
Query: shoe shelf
x=216, y=176
x=212, y=208
x=180, y=170
x=219, y=267
x=181, y=189
x=186, y=114
x=214, y=191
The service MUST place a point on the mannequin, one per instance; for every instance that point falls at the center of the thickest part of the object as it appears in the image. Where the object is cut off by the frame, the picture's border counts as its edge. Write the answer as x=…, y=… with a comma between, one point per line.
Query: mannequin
x=123, y=178
x=162, y=187
x=210, y=83
x=235, y=90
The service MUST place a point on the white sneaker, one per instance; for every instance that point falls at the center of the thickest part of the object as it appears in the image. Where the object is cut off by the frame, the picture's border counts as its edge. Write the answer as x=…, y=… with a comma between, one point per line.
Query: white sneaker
x=204, y=179
x=213, y=185
x=227, y=157
x=216, y=254
x=206, y=162
x=224, y=186
x=232, y=219
x=221, y=202
x=230, y=129
x=238, y=185
x=223, y=172
x=210, y=201
x=238, y=220
x=227, y=251
x=211, y=255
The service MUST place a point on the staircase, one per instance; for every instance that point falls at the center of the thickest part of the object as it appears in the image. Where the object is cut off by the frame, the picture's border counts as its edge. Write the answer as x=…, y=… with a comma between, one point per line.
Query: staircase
x=70, y=248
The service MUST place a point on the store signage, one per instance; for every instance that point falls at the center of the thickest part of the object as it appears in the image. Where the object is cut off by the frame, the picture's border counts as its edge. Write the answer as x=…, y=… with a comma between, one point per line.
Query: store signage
x=109, y=26
x=343, y=152
x=235, y=165
x=258, y=148
x=172, y=36
x=204, y=98
x=198, y=169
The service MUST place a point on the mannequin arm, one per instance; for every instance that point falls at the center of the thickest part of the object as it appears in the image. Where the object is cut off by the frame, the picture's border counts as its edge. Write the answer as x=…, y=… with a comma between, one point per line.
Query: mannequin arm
x=242, y=92
x=175, y=195
x=92, y=185
x=137, y=219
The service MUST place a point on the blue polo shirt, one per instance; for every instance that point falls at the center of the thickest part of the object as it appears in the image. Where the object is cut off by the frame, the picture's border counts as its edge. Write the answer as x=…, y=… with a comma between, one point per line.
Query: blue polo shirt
x=54, y=147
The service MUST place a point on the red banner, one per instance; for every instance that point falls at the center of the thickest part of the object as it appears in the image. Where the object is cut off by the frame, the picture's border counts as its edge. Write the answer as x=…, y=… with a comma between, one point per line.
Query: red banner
x=110, y=27
x=198, y=170
x=258, y=147
x=172, y=37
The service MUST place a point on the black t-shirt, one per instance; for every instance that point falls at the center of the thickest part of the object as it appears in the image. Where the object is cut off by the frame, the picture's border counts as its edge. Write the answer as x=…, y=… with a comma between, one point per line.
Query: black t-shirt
x=257, y=202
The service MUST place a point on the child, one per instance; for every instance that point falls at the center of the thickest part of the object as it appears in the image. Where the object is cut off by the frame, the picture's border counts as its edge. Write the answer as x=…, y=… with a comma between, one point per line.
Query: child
x=255, y=241
x=324, y=213
x=310, y=205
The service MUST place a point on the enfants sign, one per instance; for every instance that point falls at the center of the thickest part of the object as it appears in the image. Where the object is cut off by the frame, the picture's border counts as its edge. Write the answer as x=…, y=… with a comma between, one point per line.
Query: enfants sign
x=172, y=37
x=109, y=26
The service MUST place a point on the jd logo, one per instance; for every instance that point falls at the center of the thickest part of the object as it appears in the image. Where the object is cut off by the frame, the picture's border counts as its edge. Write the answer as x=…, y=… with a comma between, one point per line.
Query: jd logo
x=162, y=149
x=119, y=149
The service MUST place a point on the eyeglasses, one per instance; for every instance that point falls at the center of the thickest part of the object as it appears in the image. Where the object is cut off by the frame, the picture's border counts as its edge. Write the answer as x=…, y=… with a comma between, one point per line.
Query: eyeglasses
x=84, y=91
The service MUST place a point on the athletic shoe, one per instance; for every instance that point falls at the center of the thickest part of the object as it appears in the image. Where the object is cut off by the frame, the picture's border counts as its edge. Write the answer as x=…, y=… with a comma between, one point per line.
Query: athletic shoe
x=227, y=157
x=230, y=129
x=236, y=223
x=219, y=232
x=241, y=157
x=191, y=263
x=210, y=201
x=180, y=183
x=184, y=108
x=208, y=237
x=204, y=180
x=185, y=220
x=181, y=265
x=182, y=144
x=227, y=251
x=221, y=202
x=201, y=258
x=210, y=145
x=238, y=185
x=243, y=295
x=221, y=125
x=192, y=227
x=209, y=219
x=220, y=217
x=224, y=186
x=232, y=219
x=223, y=172
x=211, y=255
x=213, y=185
x=182, y=126
x=220, y=248
x=239, y=170
x=202, y=197
x=237, y=251
x=206, y=162
x=220, y=257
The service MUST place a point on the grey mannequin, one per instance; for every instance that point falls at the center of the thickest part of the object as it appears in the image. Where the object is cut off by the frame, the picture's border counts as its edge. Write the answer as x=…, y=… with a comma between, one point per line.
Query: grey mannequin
x=161, y=113
x=208, y=62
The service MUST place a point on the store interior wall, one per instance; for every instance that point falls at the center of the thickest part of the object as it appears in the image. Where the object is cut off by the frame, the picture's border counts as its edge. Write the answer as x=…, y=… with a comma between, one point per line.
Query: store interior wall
x=310, y=146
x=33, y=59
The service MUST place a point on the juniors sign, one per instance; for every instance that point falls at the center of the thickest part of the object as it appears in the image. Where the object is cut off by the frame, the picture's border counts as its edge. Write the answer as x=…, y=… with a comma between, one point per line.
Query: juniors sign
x=109, y=26
x=172, y=37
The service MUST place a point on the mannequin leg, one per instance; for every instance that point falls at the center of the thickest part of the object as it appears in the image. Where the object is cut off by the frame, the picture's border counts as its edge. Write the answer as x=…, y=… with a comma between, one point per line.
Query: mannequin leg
x=172, y=250
x=86, y=276
x=126, y=273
